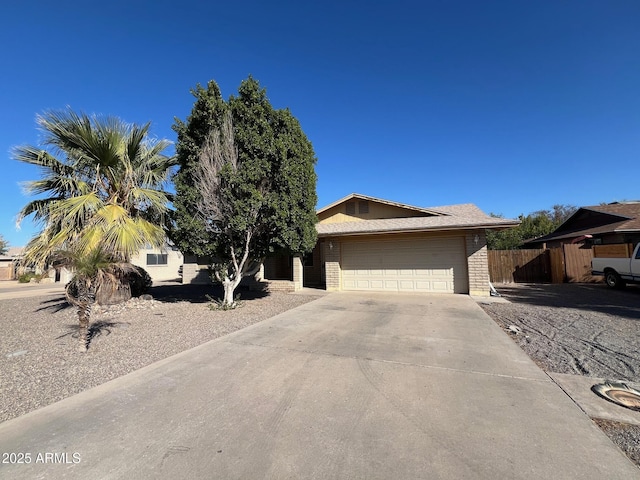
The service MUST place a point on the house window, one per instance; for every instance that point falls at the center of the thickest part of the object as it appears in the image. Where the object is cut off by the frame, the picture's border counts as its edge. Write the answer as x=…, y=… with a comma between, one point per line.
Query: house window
x=156, y=258
x=351, y=208
x=363, y=206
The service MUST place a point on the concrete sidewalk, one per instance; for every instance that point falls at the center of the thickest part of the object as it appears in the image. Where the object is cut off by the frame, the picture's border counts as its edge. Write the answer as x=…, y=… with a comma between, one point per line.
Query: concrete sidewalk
x=347, y=386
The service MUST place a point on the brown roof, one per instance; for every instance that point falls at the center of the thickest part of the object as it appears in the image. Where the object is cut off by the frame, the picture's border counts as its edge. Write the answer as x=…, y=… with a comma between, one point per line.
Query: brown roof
x=450, y=217
x=625, y=218
x=629, y=210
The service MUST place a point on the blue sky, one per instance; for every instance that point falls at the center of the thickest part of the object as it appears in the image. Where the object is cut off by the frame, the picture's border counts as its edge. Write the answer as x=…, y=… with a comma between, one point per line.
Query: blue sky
x=512, y=105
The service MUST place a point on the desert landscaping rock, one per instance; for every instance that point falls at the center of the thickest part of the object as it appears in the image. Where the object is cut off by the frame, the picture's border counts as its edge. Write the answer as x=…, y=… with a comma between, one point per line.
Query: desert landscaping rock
x=39, y=364
x=627, y=437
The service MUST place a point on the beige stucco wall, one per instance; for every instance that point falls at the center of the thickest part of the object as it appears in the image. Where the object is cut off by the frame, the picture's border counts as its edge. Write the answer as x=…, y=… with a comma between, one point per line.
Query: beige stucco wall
x=160, y=272
x=338, y=213
x=193, y=272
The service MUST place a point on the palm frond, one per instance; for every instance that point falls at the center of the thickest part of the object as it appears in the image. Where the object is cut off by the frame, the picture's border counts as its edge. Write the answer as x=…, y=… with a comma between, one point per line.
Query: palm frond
x=61, y=185
x=41, y=158
x=38, y=208
x=112, y=213
x=149, y=199
x=87, y=141
x=130, y=235
x=76, y=210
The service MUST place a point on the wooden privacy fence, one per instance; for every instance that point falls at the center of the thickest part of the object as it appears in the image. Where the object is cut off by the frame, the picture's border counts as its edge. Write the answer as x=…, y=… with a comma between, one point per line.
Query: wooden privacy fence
x=6, y=272
x=619, y=250
x=569, y=263
x=519, y=266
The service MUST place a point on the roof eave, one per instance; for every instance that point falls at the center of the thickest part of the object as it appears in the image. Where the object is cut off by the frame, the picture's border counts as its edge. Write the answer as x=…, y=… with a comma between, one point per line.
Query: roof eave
x=421, y=230
x=624, y=230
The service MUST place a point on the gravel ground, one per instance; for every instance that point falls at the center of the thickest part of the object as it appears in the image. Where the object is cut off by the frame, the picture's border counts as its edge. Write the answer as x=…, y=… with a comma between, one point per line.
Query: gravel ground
x=580, y=329
x=40, y=363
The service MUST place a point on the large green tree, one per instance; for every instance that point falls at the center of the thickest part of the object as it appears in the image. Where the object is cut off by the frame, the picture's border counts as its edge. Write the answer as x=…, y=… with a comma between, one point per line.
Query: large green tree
x=4, y=245
x=246, y=185
x=531, y=226
x=100, y=195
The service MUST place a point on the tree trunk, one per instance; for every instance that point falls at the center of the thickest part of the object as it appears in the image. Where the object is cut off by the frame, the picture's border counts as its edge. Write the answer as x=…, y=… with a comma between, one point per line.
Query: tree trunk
x=108, y=295
x=229, y=286
x=84, y=313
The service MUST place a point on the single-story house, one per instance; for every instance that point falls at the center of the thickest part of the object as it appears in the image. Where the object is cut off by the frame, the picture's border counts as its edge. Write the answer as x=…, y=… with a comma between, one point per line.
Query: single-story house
x=613, y=223
x=371, y=244
x=160, y=263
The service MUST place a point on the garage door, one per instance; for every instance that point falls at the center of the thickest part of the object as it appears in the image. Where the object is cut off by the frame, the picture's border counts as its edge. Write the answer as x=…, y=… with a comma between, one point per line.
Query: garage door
x=405, y=265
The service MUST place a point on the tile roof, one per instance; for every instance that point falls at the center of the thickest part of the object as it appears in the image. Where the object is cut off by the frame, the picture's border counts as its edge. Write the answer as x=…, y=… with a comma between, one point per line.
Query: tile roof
x=449, y=217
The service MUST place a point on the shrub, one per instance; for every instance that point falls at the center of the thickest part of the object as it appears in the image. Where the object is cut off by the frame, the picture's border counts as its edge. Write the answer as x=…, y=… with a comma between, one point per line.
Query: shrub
x=218, y=304
x=26, y=277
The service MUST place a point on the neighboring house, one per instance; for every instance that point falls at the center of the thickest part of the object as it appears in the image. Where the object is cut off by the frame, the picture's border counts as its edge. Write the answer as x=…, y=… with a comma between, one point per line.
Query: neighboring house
x=370, y=244
x=160, y=263
x=617, y=222
x=9, y=262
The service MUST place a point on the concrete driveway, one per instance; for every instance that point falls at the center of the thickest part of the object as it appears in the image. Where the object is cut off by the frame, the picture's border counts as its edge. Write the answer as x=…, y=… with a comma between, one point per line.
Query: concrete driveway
x=359, y=386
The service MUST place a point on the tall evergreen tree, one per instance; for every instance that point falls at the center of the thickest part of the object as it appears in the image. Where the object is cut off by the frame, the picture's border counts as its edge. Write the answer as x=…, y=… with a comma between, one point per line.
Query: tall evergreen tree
x=246, y=185
x=4, y=245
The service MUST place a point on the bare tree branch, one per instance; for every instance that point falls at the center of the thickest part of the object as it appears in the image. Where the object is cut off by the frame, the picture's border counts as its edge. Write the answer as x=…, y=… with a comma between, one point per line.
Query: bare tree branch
x=219, y=149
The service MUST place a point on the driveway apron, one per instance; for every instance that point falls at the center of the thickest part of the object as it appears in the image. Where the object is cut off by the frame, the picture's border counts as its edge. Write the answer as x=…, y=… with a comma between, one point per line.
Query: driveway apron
x=366, y=386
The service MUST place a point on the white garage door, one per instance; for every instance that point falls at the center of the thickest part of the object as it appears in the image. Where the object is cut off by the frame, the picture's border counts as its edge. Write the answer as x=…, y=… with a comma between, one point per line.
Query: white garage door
x=405, y=265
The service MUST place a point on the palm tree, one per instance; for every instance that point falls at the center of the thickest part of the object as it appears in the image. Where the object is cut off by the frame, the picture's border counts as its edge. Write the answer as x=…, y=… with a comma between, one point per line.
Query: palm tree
x=101, y=188
x=92, y=270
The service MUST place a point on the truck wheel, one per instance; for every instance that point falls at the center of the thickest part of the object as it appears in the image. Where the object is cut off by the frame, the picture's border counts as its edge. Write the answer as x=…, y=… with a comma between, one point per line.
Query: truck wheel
x=613, y=279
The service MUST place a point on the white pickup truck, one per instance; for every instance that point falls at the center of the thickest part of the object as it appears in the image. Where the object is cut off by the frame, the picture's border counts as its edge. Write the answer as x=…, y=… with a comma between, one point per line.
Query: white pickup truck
x=618, y=271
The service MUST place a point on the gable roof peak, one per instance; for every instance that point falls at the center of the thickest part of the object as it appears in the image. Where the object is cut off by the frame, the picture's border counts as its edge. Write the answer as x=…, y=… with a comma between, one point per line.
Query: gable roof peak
x=359, y=196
